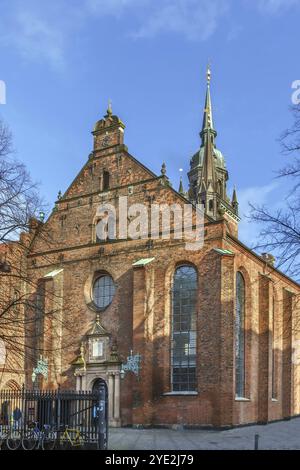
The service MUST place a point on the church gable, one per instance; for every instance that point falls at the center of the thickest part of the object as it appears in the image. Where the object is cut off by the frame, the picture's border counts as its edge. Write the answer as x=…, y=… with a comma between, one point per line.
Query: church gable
x=111, y=172
x=112, y=169
x=110, y=166
x=74, y=219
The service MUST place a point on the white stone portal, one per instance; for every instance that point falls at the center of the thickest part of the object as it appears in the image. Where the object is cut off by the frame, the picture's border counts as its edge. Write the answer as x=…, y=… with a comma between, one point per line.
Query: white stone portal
x=110, y=373
x=99, y=360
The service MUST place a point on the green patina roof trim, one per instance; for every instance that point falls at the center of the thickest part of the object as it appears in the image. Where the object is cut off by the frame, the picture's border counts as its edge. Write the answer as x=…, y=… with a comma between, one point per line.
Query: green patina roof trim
x=223, y=252
x=53, y=273
x=143, y=261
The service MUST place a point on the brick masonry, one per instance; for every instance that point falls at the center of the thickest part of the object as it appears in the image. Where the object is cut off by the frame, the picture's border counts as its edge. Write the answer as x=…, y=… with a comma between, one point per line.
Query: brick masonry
x=139, y=317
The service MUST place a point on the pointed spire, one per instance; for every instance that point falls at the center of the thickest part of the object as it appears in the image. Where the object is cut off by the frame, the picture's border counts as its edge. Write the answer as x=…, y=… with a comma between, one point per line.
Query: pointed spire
x=234, y=196
x=163, y=169
x=207, y=116
x=181, y=190
x=234, y=201
x=208, y=174
x=208, y=134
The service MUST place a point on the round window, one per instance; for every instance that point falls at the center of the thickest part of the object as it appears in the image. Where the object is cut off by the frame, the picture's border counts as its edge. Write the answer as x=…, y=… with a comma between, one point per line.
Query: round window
x=103, y=291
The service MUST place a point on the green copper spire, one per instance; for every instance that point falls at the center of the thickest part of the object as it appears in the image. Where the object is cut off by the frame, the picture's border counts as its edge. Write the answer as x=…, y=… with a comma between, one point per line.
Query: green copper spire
x=208, y=169
x=207, y=116
x=208, y=174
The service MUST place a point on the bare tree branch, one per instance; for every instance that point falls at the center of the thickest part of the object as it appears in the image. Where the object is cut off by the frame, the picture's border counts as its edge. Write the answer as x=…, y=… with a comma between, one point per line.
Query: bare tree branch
x=281, y=229
x=27, y=323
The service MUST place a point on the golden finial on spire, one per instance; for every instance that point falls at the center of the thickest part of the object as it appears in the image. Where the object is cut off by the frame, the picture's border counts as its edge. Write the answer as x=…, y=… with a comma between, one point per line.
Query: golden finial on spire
x=208, y=73
x=109, y=109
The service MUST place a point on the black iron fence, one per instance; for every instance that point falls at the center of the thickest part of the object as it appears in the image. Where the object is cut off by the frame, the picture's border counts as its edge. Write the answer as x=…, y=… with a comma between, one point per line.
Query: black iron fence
x=75, y=417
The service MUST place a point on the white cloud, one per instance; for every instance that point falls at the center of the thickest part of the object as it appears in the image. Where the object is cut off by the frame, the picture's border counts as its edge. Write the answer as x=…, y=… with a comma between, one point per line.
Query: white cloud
x=39, y=38
x=194, y=19
x=35, y=38
x=276, y=6
x=112, y=7
x=44, y=33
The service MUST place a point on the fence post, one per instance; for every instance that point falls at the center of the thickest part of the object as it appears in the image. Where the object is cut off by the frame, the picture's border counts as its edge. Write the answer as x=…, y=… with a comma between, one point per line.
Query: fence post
x=256, y=438
x=23, y=408
x=58, y=413
x=102, y=424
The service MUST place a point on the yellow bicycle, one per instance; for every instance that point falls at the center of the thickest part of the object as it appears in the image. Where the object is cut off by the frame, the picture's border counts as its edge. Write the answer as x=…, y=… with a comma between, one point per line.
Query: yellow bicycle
x=71, y=438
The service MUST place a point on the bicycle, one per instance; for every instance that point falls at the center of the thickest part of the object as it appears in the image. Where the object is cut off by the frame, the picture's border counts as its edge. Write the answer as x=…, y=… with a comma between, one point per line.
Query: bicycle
x=12, y=438
x=71, y=437
x=37, y=438
x=3, y=436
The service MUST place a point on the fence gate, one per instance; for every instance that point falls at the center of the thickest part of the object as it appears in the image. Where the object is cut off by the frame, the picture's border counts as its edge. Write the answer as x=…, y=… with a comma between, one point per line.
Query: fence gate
x=85, y=413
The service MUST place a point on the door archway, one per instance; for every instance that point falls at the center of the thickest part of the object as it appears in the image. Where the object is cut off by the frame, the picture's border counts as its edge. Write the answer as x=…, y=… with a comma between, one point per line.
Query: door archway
x=98, y=384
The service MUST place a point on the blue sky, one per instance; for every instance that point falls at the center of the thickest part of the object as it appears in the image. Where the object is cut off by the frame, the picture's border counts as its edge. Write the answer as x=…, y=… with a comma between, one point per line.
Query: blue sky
x=62, y=60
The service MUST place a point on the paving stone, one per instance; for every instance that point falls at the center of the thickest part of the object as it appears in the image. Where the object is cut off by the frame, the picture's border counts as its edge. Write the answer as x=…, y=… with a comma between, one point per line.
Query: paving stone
x=279, y=435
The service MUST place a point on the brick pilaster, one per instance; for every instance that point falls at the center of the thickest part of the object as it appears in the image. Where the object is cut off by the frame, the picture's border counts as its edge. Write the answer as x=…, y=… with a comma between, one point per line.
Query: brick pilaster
x=264, y=338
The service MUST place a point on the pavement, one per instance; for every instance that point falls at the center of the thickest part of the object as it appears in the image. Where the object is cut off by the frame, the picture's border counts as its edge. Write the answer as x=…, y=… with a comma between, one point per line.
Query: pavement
x=279, y=435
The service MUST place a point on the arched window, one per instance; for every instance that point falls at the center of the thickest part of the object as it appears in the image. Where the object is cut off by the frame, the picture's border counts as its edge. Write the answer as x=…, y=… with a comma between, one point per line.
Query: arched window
x=103, y=291
x=220, y=189
x=39, y=316
x=240, y=336
x=183, y=346
x=105, y=180
x=105, y=227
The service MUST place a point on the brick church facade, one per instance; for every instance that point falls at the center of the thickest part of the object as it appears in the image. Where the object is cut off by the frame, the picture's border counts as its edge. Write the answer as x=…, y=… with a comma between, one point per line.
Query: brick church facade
x=187, y=337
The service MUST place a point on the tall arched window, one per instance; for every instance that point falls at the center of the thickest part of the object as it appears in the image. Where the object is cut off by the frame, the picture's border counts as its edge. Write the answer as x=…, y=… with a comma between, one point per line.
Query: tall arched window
x=39, y=317
x=240, y=336
x=106, y=178
x=183, y=346
x=220, y=189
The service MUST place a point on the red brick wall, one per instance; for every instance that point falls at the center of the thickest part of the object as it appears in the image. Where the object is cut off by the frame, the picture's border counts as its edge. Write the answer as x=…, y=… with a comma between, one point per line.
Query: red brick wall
x=139, y=317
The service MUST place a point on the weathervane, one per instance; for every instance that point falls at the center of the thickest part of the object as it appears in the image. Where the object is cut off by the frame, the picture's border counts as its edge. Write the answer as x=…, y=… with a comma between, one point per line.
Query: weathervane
x=41, y=368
